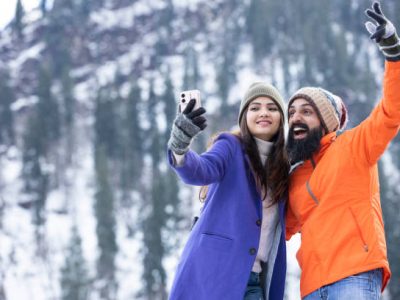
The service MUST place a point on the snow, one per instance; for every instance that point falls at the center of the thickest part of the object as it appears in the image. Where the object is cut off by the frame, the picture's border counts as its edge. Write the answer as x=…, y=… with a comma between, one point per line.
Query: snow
x=106, y=19
x=124, y=17
x=39, y=271
x=24, y=102
x=32, y=52
x=293, y=270
x=29, y=276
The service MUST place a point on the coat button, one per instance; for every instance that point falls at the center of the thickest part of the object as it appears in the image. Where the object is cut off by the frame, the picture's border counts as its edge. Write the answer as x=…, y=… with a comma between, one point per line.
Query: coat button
x=252, y=251
x=258, y=222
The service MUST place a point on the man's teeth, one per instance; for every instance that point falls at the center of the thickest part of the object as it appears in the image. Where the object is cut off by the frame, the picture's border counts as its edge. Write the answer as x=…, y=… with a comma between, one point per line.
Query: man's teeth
x=298, y=129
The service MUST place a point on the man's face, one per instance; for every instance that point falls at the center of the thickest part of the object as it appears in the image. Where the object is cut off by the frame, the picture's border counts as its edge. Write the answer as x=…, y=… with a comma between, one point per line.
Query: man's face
x=302, y=118
x=305, y=131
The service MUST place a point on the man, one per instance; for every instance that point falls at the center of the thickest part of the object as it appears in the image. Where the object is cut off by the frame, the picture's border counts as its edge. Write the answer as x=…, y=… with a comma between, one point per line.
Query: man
x=334, y=190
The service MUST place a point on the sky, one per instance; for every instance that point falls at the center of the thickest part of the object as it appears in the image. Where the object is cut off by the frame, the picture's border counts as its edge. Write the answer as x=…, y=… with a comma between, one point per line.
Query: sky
x=7, y=9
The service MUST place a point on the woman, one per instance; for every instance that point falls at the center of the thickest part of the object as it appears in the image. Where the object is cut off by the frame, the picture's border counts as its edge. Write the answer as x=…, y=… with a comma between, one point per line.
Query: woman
x=236, y=250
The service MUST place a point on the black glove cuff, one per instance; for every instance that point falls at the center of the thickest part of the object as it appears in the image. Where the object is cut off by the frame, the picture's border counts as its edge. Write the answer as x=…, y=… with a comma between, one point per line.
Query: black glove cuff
x=390, y=41
x=391, y=47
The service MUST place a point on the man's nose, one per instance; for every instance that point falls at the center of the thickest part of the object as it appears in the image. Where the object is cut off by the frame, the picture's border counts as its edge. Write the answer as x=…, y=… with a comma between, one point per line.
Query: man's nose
x=294, y=118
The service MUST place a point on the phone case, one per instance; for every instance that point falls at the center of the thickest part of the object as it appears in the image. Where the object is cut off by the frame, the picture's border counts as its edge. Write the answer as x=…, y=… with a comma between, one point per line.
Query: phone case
x=186, y=96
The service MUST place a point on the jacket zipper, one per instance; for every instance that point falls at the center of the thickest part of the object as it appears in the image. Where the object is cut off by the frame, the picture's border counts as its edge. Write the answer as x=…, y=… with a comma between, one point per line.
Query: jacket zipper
x=311, y=193
x=308, y=183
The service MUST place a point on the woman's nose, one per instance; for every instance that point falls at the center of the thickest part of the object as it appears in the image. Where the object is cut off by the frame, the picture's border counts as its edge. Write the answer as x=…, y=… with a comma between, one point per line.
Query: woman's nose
x=264, y=112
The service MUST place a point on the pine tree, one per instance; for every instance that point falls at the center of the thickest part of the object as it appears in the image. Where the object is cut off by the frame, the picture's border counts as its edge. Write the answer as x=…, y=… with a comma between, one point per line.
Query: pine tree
x=173, y=212
x=74, y=274
x=68, y=98
x=362, y=82
x=68, y=116
x=63, y=4
x=167, y=17
x=42, y=130
x=170, y=103
x=165, y=30
x=106, y=132
x=48, y=109
x=133, y=148
x=226, y=74
x=337, y=76
x=62, y=27
x=19, y=14
x=43, y=7
x=7, y=97
x=104, y=209
x=132, y=154
x=85, y=7
x=191, y=74
x=154, y=273
x=152, y=103
x=34, y=177
x=258, y=17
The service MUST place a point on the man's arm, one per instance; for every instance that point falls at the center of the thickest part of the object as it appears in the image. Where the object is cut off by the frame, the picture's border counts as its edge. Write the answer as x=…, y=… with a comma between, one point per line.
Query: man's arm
x=373, y=135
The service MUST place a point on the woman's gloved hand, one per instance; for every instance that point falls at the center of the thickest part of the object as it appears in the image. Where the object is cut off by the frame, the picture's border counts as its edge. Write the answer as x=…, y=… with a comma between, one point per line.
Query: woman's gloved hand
x=186, y=126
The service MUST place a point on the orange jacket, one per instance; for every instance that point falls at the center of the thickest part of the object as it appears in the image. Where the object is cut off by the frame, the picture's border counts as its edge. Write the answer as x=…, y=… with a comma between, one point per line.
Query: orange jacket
x=336, y=205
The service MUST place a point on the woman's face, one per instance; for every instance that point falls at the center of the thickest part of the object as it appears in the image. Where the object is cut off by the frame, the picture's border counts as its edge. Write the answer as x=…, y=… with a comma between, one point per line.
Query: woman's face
x=263, y=118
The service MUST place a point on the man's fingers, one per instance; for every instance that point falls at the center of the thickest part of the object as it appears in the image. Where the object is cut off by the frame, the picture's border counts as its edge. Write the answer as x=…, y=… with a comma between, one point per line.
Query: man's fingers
x=379, y=33
x=377, y=17
x=377, y=7
x=371, y=27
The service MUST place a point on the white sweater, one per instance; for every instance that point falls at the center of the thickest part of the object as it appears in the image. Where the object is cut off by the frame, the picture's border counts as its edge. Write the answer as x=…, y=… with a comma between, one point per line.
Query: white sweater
x=270, y=216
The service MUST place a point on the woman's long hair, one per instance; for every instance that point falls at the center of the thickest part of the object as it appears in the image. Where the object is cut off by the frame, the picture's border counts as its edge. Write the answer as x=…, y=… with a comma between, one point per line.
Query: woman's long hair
x=273, y=176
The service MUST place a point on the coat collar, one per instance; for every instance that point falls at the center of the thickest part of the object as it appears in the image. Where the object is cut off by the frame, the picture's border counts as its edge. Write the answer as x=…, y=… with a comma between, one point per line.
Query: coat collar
x=326, y=141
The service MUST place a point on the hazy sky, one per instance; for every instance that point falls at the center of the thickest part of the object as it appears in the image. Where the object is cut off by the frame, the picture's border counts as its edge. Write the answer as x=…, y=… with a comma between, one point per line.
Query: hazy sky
x=7, y=9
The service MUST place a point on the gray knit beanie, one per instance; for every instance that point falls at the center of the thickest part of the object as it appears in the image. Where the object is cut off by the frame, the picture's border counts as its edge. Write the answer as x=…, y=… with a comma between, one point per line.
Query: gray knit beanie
x=258, y=89
x=330, y=108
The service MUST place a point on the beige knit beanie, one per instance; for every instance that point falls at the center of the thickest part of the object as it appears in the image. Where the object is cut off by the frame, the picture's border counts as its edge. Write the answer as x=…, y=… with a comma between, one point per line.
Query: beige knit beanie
x=331, y=109
x=258, y=89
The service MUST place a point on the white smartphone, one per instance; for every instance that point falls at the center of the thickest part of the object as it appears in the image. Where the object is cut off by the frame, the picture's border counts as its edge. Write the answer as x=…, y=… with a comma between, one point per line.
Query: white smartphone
x=186, y=96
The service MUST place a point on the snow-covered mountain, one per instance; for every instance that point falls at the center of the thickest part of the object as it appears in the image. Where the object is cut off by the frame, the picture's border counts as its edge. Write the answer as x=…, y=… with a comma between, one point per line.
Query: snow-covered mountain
x=87, y=93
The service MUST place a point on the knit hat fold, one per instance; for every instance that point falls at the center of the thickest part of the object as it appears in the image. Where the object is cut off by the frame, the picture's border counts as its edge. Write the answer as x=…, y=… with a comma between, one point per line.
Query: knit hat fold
x=259, y=89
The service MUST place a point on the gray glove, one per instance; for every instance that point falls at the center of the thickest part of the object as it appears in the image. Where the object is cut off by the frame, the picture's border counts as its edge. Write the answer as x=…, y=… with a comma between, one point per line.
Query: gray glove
x=185, y=127
x=383, y=32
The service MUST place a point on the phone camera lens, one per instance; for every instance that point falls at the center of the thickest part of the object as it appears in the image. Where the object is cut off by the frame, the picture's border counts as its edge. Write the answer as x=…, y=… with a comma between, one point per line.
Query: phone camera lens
x=183, y=100
x=183, y=95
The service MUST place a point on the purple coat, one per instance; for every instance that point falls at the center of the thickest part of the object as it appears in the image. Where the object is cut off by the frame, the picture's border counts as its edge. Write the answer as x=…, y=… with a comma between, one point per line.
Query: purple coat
x=219, y=255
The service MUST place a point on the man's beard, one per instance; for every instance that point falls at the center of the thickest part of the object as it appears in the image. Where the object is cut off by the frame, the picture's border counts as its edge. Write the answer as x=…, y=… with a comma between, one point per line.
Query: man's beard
x=303, y=149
